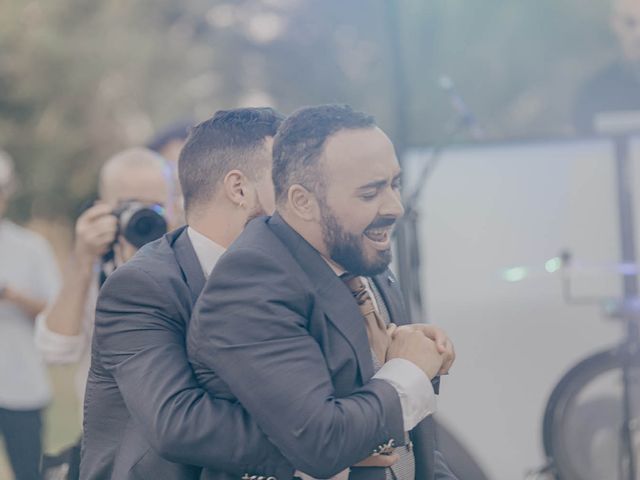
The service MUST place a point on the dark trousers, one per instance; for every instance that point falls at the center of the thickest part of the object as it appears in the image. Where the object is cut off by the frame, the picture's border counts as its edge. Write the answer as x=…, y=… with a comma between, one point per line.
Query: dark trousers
x=22, y=432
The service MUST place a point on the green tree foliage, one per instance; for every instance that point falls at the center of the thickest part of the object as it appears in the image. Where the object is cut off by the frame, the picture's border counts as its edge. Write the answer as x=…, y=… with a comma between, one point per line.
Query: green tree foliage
x=81, y=79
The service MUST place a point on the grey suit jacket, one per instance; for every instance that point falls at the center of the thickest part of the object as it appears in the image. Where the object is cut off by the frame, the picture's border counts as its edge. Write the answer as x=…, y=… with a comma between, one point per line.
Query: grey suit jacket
x=142, y=401
x=278, y=330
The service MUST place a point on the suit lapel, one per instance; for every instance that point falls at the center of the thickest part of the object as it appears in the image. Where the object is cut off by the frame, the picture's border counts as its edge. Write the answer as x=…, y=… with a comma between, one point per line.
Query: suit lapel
x=188, y=262
x=390, y=291
x=337, y=301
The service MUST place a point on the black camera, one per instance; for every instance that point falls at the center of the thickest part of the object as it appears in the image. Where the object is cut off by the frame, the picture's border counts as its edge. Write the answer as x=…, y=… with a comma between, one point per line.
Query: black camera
x=140, y=223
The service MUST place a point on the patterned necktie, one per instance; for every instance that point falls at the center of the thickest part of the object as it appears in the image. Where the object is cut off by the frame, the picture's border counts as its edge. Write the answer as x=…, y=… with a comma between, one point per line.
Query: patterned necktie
x=379, y=339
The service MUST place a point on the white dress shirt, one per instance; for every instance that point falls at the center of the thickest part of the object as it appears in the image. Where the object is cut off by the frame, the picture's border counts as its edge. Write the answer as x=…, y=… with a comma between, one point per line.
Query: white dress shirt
x=207, y=251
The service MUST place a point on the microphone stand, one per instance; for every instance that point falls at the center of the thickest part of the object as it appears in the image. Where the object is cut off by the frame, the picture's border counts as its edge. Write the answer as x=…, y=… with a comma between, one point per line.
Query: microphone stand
x=630, y=299
x=407, y=235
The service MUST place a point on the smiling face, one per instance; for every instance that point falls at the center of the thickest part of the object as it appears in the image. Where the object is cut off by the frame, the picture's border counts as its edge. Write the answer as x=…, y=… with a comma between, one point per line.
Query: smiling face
x=360, y=199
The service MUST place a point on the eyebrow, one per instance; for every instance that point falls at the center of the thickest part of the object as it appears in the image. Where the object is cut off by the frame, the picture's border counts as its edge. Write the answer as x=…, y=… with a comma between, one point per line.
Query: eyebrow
x=379, y=183
x=375, y=185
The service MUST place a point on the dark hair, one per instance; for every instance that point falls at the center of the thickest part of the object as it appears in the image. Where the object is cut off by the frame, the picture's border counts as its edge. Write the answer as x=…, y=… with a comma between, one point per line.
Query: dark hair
x=300, y=142
x=225, y=142
x=177, y=131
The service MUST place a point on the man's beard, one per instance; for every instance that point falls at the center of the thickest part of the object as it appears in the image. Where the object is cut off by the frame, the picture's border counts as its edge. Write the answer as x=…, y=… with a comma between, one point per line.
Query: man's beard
x=347, y=250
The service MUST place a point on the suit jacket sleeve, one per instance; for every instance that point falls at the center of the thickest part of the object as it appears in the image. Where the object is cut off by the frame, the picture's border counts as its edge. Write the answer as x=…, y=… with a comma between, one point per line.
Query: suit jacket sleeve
x=250, y=326
x=141, y=341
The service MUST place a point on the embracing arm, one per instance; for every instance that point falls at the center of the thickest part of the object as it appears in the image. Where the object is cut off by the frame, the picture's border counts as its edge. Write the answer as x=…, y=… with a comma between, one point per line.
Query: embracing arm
x=251, y=329
x=141, y=341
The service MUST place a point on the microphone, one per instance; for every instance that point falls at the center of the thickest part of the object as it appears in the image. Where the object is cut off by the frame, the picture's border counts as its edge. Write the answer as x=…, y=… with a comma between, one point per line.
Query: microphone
x=467, y=118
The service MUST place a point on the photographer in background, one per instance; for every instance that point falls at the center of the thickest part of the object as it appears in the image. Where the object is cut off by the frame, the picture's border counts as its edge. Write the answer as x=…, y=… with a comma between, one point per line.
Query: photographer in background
x=28, y=280
x=106, y=237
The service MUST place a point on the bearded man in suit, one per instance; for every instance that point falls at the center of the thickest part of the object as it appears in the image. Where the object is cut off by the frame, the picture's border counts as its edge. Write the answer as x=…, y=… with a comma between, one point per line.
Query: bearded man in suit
x=298, y=320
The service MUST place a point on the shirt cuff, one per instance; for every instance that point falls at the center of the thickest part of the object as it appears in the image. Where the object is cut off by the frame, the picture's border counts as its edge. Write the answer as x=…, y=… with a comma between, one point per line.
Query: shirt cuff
x=55, y=347
x=414, y=388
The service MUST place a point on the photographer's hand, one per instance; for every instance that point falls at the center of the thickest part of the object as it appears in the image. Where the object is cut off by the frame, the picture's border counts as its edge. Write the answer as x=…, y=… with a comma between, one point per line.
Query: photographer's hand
x=96, y=230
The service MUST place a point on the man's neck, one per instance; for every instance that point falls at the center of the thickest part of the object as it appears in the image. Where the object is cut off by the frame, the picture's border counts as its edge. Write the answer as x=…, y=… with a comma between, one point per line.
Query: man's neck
x=218, y=226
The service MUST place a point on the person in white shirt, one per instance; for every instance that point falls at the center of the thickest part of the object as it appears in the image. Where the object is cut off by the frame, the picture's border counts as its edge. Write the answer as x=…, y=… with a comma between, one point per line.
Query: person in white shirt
x=29, y=278
x=64, y=330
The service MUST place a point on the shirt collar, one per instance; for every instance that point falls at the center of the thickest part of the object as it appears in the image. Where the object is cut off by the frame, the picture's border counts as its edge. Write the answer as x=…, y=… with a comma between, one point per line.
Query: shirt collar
x=337, y=269
x=207, y=251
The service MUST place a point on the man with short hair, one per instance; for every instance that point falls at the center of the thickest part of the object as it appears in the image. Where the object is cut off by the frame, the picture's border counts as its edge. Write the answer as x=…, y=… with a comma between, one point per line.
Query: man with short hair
x=29, y=279
x=145, y=414
x=297, y=319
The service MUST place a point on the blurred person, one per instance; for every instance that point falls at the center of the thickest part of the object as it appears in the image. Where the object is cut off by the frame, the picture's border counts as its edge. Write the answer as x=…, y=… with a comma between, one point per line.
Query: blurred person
x=63, y=331
x=295, y=321
x=616, y=87
x=29, y=278
x=169, y=143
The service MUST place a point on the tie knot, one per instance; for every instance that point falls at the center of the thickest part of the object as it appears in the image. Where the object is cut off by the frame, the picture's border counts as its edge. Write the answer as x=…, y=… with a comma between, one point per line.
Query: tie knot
x=354, y=282
x=358, y=288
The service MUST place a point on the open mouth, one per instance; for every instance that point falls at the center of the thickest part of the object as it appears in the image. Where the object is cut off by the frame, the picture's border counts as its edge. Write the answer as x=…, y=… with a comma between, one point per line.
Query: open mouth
x=379, y=237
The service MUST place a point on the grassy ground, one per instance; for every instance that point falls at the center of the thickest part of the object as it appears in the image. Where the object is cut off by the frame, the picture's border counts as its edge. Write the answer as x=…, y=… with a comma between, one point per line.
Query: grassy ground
x=62, y=418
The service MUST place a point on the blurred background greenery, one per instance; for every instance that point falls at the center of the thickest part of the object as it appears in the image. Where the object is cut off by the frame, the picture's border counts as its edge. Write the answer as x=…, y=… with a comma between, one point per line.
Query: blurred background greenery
x=81, y=79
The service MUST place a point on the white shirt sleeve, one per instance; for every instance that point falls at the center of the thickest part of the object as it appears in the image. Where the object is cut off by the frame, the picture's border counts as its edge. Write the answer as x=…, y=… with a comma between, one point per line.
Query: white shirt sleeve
x=417, y=398
x=56, y=348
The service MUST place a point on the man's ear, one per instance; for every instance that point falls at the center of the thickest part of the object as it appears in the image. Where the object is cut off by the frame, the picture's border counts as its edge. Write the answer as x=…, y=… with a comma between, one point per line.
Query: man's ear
x=235, y=187
x=303, y=203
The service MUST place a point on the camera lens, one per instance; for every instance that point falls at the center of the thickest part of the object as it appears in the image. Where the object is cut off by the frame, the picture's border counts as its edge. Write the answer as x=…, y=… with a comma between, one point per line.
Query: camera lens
x=141, y=224
x=145, y=225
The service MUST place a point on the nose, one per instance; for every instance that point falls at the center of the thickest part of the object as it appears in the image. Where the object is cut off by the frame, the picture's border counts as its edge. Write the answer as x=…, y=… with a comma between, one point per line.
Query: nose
x=392, y=204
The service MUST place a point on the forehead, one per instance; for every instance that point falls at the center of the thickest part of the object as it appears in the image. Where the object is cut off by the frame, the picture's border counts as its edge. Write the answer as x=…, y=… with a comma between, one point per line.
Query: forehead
x=357, y=157
x=145, y=183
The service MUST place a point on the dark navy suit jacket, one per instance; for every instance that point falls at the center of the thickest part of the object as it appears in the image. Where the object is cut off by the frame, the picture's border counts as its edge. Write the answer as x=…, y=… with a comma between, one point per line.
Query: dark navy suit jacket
x=278, y=330
x=142, y=401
